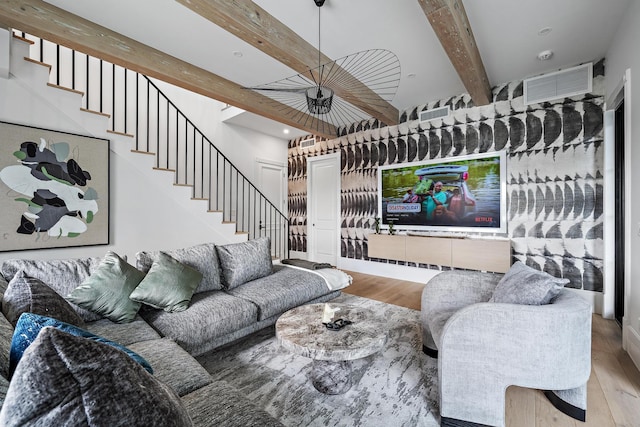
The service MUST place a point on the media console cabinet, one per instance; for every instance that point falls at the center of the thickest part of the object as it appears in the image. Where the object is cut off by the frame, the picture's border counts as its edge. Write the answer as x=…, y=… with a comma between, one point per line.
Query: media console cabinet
x=470, y=253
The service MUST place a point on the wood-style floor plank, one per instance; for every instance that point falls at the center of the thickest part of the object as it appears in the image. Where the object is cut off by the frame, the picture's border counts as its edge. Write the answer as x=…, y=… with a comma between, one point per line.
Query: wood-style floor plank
x=613, y=396
x=520, y=407
x=391, y=291
x=619, y=391
x=547, y=415
x=598, y=412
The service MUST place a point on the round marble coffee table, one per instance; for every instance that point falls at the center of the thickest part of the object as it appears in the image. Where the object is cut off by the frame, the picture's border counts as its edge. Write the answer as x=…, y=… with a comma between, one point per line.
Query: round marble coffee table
x=301, y=331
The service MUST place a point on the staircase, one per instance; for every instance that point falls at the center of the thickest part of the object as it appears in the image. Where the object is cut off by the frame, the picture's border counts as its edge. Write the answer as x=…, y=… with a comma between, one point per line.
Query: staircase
x=162, y=139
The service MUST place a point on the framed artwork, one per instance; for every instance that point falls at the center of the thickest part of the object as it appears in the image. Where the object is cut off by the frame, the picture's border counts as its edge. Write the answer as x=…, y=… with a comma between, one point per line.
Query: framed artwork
x=54, y=189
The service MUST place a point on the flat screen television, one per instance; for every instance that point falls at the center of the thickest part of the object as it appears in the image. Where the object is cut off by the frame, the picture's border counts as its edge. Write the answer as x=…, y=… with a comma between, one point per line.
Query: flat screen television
x=465, y=194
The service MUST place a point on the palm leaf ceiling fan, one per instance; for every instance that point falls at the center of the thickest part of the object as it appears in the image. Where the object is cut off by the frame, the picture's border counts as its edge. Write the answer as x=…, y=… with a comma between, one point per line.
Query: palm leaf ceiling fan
x=324, y=92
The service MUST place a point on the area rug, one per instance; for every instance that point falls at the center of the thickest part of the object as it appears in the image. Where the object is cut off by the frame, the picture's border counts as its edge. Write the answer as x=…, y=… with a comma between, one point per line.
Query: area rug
x=395, y=387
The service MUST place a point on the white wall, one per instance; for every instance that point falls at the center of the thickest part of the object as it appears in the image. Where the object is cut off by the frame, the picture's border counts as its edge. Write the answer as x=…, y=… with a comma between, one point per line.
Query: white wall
x=242, y=146
x=622, y=55
x=142, y=217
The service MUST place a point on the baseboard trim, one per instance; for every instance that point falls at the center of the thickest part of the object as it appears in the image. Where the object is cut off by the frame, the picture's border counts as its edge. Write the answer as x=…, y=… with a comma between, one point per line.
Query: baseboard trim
x=300, y=255
x=565, y=407
x=631, y=343
x=392, y=271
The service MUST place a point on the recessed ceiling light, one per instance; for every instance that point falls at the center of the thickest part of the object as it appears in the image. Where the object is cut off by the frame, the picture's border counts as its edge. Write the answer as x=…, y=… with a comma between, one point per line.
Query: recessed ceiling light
x=544, y=31
x=545, y=55
x=237, y=54
x=286, y=131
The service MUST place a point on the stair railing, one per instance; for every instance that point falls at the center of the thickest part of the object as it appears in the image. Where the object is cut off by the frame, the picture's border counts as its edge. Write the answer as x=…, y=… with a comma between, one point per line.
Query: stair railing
x=138, y=108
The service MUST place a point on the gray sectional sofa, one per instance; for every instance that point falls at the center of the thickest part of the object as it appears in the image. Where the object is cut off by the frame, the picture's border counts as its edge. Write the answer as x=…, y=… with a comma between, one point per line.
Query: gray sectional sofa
x=236, y=291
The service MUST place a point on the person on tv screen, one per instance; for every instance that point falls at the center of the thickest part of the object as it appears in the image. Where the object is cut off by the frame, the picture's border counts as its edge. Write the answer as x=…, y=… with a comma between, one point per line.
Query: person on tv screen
x=422, y=187
x=435, y=198
x=455, y=204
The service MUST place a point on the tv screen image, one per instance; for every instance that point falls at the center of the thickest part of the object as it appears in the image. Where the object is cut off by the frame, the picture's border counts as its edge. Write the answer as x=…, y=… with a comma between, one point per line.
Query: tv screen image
x=466, y=193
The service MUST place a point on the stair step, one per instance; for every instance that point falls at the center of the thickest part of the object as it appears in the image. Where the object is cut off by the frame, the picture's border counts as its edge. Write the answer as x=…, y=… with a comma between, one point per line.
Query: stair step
x=99, y=123
x=15, y=36
x=115, y=132
x=90, y=111
x=33, y=61
x=68, y=90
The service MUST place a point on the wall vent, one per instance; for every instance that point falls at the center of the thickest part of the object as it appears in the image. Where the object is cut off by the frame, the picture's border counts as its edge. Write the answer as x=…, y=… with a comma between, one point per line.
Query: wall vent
x=434, y=113
x=306, y=143
x=561, y=84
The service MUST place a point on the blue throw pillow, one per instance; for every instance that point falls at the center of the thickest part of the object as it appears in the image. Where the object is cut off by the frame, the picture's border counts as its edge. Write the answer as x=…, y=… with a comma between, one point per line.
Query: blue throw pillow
x=29, y=326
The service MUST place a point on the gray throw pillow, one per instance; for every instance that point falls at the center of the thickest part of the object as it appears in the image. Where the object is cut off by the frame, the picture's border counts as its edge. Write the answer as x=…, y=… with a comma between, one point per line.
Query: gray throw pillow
x=3, y=285
x=203, y=258
x=4, y=387
x=525, y=285
x=28, y=295
x=68, y=380
x=6, y=335
x=61, y=275
x=246, y=261
x=169, y=285
x=106, y=292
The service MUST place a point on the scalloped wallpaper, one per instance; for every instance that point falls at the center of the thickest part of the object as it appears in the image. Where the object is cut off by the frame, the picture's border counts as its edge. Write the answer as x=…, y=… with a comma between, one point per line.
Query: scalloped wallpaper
x=554, y=174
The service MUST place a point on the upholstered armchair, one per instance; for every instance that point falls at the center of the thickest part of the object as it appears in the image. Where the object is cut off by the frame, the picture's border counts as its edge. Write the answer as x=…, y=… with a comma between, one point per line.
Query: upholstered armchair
x=484, y=347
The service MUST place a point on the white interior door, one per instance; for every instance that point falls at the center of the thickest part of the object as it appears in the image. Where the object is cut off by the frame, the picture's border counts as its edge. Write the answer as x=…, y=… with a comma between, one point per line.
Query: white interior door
x=271, y=181
x=323, y=208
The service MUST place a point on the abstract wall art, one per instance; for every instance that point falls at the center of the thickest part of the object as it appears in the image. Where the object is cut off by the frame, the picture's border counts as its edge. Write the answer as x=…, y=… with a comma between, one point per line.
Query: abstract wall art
x=54, y=189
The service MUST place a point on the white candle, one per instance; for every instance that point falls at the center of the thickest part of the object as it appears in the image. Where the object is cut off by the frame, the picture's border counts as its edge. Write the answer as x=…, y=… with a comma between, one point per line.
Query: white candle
x=329, y=312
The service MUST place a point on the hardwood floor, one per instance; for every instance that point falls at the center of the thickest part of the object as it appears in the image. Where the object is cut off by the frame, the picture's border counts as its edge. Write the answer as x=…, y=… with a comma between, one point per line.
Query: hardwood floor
x=613, y=388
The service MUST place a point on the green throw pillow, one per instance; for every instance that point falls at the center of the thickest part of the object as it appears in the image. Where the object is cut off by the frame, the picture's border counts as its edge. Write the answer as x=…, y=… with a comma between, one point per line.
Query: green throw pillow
x=106, y=291
x=169, y=285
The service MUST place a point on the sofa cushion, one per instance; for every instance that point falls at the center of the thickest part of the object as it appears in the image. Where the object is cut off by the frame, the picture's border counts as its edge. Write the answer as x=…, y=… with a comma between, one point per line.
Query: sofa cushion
x=211, y=314
x=525, y=285
x=242, y=262
x=6, y=335
x=123, y=333
x=219, y=404
x=86, y=383
x=284, y=289
x=173, y=365
x=4, y=387
x=203, y=258
x=29, y=326
x=106, y=291
x=29, y=295
x=61, y=275
x=3, y=285
x=168, y=285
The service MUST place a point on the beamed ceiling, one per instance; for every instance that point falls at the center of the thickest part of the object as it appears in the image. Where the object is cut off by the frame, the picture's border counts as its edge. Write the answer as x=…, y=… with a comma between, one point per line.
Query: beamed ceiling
x=189, y=43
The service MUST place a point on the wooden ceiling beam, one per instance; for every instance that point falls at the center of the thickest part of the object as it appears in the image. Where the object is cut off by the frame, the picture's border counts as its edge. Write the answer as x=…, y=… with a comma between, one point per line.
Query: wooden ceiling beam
x=249, y=22
x=450, y=23
x=48, y=22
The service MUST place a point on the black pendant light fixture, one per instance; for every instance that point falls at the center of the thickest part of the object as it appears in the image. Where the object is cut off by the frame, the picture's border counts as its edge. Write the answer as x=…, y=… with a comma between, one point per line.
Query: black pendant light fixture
x=372, y=76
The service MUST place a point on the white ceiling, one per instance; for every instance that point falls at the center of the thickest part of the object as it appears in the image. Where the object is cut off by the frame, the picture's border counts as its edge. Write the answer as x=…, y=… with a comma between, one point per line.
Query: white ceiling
x=506, y=32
